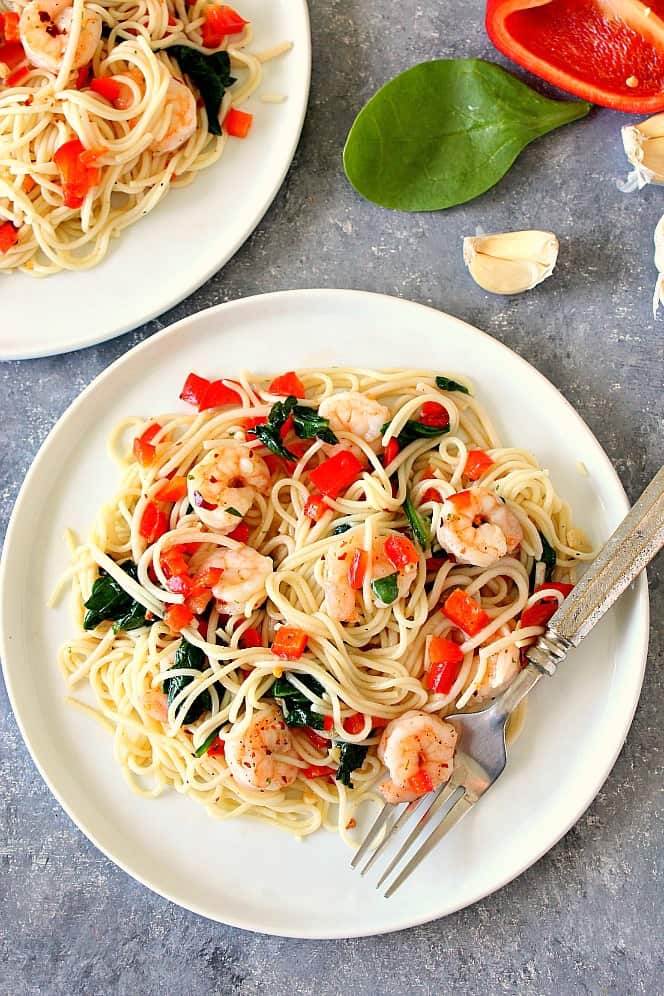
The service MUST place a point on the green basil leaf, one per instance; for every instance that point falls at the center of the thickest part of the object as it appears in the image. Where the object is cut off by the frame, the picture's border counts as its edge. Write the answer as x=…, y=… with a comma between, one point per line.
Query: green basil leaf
x=418, y=524
x=193, y=658
x=210, y=74
x=445, y=131
x=207, y=743
x=351, y=757
x=445, y=384
x=386, y=589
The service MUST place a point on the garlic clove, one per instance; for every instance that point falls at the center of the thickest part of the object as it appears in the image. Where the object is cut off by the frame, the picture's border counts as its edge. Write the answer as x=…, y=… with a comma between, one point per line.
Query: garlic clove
x=658, y=296
x=644, y=148
x=510, y=262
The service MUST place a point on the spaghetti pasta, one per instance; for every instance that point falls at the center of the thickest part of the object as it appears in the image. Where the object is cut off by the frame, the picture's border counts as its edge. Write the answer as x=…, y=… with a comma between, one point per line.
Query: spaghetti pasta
x=255, y=662
x=104, y=106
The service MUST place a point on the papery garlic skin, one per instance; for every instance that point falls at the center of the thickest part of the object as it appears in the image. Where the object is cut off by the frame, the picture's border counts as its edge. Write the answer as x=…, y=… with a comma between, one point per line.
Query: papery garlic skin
x=510, y=262
x=658, y=296
x=644, y=147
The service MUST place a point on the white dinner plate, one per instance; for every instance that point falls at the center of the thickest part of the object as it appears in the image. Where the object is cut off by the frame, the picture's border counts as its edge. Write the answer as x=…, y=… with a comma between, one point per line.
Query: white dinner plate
x=243, y=872
x=191, y=234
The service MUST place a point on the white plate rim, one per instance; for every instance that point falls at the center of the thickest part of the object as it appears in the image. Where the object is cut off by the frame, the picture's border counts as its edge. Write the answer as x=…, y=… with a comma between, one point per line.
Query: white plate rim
x=641, y=609
x=173, y=299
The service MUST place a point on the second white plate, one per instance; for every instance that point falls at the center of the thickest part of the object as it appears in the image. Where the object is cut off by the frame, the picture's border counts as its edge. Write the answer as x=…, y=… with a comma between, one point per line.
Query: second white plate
x=191, y=234
x=245, y=873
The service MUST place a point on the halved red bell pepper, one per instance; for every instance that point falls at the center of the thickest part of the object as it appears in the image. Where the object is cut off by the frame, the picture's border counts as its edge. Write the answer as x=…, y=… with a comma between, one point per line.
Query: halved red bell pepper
x=610, y=52
x=336, y=475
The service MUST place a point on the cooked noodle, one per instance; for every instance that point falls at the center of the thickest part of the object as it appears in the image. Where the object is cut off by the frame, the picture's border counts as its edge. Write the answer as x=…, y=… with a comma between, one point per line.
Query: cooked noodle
x=374, y=666
x=41, y=109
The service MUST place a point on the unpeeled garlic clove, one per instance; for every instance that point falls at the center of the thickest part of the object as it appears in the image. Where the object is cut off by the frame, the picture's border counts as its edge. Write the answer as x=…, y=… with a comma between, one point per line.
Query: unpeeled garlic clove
x=658, y=296
x=644, y=147
x=510, y=262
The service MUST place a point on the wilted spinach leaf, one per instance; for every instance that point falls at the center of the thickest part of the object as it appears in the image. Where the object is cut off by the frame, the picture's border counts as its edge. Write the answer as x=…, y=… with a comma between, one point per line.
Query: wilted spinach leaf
x=210, y=74
x=188, y=656
x=548, y=559
x=351, y=757
x=413, y=430
x=445, y=384
x=109, y=600
x=299, y=711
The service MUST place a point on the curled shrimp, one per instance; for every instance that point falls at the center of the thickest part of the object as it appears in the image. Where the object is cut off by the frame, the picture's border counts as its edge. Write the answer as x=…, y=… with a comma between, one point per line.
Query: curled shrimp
x=478, y=528
x=229, y=477
x=179, y=105
x=244, y=574
x=502, y=667
x=340, y=596
x=350, y=411
x=418, y=750
x=45, y=29
x=256, y=759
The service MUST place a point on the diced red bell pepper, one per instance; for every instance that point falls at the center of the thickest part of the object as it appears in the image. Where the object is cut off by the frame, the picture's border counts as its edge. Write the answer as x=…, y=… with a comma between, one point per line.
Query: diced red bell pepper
x=432, y=494
x=250, y=638
x=178, y=617
x=391, y=451
x=251, y=423
x=172, y=490
x=220, y=21
x=420, y=782
x=434, y=415
x=154, y=523
x=477, y=464
x=289, y=643
x=315, y=507
x=78, y=177
x=287, y=384
x=435, y=564
x=217, y=748
x=204, y=394
x=12, y=53
x=208, y=577
x=358, y=569
x=84, y=77
x=144, y=449
x=241, y=533
x=401, y=552
x=354, y=724
x=314, y=771
x=193, y=389
x=9, y=26
x=173, y=562
x=462, y=499
x=237, y=123
x=465, y=613
x=107, y=87
x=334, y=476
x=328, y=723
x=198, y=599
x=379, y=722
x=8, y=236
x=445, y=660
x=610, y=53
x=320, y=742
x=17, y=76
x=540, y=613
x=275, y=464
x=180, y=584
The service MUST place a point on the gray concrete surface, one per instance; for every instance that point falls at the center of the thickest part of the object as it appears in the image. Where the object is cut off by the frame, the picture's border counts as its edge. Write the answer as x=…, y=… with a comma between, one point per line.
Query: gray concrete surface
x=588, y=917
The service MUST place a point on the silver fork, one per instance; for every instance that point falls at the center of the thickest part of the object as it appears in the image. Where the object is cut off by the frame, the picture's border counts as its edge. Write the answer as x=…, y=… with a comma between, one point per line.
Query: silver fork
x=413, y=829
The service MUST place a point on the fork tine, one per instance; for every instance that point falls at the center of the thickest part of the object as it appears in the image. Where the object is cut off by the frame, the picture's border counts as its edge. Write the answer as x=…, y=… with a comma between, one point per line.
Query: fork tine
x=407, y=811
x=375, y=829
x=453, y=814
x=439, y=807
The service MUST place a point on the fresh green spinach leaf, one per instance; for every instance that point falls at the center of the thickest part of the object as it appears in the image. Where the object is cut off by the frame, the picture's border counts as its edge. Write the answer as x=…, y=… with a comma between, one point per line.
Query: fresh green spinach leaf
x=548, y=558
x=210, y=74
x=445, y=131
x=386, y=589
x=193, y=658
x=109, y=600
x=307, y=423
x=299, y=711
x=418, y=524
x=351, y=757
x=445, y=384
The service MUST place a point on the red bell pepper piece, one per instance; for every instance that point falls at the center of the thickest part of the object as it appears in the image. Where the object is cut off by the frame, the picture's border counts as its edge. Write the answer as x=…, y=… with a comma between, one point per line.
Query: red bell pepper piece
x=477, y=464
x=420, y=782
x=216, y=748
x=251, y=423
x=171, y=490
x=434, y=415
x=432, y=494
x=400, y=551
x=464, y=612
x=608, y=53
x=379, y=722
x=198, y=599
x=17, y=76
x=354, y=724
x=435, y=564
x=193, y=389
x=78, y=176
x=241, y=533
x=208, y=577
x=445, y=660
x=289, y=643
x=320, y=742
x=391, y=451
x=9, y=26
x=173, y=563
x=144, y=449
x=358, y=569
x=540, y=613
x=11, y=53
x=8, y=236
x=154, y=523
x=315, y=507
x=107, y=87
x=178, y=617
x=328, y=723
x=287, y=384
x=237, y=123
x=314, y=771
x=336, y=475
x=180, y=584
x=217, y=395
x=84, y=76
x=220, y=21
x=250, y=638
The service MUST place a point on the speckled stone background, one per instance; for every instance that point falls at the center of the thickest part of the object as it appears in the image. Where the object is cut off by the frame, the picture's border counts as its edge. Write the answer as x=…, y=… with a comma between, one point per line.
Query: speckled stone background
x=588, y=918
